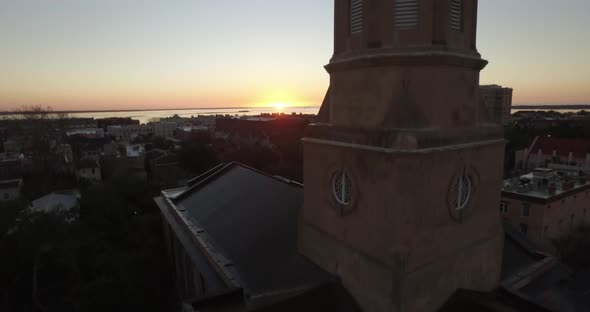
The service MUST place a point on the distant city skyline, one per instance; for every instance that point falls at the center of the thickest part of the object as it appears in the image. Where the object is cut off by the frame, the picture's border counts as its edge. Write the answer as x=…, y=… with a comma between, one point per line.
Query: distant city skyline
x=145, y=54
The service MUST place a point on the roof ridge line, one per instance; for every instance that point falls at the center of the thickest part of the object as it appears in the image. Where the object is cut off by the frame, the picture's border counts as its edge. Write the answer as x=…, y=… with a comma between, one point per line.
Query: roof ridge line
x=201, y=179
x=221, y=168
x=276, y=177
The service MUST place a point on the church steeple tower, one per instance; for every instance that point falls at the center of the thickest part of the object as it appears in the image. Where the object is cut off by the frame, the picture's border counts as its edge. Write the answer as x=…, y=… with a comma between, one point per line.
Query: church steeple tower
x=402, y=178
x=423, y=45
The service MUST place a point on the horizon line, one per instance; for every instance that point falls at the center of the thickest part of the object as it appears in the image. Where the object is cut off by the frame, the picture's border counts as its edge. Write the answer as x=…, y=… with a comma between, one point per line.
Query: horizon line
x=155, y=109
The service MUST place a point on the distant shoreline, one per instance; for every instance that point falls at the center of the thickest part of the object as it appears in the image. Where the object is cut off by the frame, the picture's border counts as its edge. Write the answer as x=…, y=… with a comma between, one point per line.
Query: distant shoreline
x=150, y=110
x=553, y=107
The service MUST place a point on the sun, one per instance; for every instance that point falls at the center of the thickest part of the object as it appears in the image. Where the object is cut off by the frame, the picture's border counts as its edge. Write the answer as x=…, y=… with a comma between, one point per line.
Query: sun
x=280, y=105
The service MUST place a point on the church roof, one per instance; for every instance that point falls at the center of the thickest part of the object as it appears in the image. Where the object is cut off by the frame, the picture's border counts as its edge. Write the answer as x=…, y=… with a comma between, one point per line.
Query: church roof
x=250, y=218
x=250, y=221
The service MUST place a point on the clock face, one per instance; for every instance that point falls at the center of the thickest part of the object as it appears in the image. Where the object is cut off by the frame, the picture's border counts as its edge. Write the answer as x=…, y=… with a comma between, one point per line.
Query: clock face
x=342, y=187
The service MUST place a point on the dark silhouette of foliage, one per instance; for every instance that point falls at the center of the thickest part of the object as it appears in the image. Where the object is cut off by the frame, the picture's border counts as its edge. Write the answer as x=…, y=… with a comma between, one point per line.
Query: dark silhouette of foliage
x=196, y=156
x=159, y=143
x=9, y=211
x=111, y=259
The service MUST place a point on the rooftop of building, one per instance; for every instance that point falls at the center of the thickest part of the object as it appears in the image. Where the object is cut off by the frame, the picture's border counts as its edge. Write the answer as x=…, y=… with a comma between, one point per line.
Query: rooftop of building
x=86, y=131
x=579, y=147
x=259, y=254
x=59, y=201
x=531, y=281
x=192, y=128
x=493, y=86
x=257, y=118
x=547, y=183
x=130, y=126
x=135, y=150
x=537, y=281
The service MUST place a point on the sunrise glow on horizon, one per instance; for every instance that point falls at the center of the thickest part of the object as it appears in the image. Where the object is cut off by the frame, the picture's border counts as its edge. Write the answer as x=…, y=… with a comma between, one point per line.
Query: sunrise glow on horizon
x=147, y=54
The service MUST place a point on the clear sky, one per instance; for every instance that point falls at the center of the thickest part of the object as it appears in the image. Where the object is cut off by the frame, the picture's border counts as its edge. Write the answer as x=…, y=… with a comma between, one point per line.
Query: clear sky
x=127, y=54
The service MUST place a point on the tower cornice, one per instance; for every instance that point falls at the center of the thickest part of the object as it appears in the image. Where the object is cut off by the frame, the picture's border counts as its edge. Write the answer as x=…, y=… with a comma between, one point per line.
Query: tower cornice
x=405, y=58
x=404, y=139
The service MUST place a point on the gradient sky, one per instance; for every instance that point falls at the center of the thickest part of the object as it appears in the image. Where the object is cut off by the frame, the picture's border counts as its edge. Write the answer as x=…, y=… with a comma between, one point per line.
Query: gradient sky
x=127, y=54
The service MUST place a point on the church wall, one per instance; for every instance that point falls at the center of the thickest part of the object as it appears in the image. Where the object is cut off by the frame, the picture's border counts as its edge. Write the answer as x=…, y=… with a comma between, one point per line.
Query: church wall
x=397, y=247
x=405, y=97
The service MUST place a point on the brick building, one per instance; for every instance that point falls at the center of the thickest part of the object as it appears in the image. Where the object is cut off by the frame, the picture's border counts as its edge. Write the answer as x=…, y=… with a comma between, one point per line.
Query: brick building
x=495, y=103
x=547, y=203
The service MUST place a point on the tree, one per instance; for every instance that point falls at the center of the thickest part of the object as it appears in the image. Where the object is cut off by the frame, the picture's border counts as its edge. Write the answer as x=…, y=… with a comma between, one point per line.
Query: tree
x=196, y=157
x=111, y=259
x=9, y=210
x=41, y=269
x=38, y=127
x=160, y=143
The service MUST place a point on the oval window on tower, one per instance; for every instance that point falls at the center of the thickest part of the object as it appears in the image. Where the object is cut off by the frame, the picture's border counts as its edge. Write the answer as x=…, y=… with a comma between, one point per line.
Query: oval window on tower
x=462, y=192
x=342, y=187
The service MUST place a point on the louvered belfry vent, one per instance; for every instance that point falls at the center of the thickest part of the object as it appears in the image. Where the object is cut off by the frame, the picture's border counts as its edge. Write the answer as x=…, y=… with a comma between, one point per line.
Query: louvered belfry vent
x=356, y=16
x=456, y=18
x=406, y=14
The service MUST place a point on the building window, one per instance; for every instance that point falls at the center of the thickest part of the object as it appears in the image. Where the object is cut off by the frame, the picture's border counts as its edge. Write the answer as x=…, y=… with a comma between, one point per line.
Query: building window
x=526, y=209
x=356, y=16
x=342, y=188
x=524, y=228
x=456, y=15
x=406, y=14
x=504, y=207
